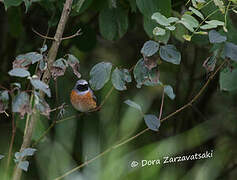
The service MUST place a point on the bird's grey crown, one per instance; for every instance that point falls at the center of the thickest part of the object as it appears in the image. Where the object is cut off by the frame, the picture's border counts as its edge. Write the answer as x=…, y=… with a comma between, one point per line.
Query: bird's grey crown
x=82, y=82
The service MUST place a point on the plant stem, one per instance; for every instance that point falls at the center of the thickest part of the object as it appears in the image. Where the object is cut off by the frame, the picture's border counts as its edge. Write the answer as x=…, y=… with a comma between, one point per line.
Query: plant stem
x=46, y=77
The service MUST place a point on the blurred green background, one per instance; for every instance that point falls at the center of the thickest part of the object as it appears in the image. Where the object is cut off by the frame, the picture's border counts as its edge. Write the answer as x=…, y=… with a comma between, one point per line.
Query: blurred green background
x=209, y=125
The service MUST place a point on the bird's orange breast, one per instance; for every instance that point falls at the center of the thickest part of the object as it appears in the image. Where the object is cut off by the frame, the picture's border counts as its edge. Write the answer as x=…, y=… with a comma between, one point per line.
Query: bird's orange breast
x=83, y=102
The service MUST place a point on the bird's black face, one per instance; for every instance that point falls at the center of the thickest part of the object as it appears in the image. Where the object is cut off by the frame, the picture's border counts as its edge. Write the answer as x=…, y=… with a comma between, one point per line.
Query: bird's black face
x=82, y=87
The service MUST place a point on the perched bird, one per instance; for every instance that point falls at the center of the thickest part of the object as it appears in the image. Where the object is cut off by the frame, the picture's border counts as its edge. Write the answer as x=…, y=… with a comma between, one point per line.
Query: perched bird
x=82, y=97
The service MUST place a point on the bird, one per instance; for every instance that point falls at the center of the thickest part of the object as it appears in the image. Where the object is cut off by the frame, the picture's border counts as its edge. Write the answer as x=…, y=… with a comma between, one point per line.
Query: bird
x=82, y=97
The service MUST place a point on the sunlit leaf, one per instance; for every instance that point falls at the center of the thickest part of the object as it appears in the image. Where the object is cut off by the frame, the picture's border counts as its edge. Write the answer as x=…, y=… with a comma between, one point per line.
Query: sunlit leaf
x=170, y=54
x=190, y=20
x=160, y=19
x=41, y=105
x=58, y=68
x=195, y=11
x=1, y=156
x=74, y=63
x=215, y=37
x=9, y=3
x=119, y=78
x=133, y=104
x=38, y=84
x=230, y=51
x=220, y=5
x=171, y=28
x=187, y=37
x=173, y=19
x=24, y=165
x=19, y=72
x=215, y=22
x=152, y=122
x=100, y=75
x=150, y=48
x=43, y=49
x=169, y=91
x=21, y=104
x=157, y=31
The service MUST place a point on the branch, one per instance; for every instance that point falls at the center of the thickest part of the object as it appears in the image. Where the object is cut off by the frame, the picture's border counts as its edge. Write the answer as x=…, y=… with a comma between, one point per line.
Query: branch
x=145, y=130
x=51, y=38
x=51, y=58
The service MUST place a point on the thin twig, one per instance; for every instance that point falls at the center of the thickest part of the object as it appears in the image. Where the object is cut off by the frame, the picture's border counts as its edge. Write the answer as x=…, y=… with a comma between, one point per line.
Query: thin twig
x=145, y=130
x=78, y=33
x=162, y=104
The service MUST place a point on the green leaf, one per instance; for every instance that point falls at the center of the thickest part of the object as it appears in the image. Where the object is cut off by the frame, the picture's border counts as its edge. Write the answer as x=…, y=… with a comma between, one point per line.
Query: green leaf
x=195, y=11
x=230, y=51
x=119, y=78
x=169, y=91
x=220, y=5
x=215, y=22
x=173, y=19
x=58, y=68
x=208, y=26
x=133, y=104
x=141, y=73
x=228, y=79
x=25, y=152
x=152, y=122
x=24, y=165
x=41, y=105
x=31, y=57
x=9, y=3
x=190, y=20
x=74, y=63
x=170, y=54
x=1, y=156
x=157, y=31
x=21, y=104
x=4, y=98
x=19, y=72
x=160, y=19
x=148, y=8
x=100, y=75
x=171, y=28
x=150, y=48
x=38, y=84
x=179, y=32
x=215, y=37
x=133, y=5
x=43, y=49
x=113, y=23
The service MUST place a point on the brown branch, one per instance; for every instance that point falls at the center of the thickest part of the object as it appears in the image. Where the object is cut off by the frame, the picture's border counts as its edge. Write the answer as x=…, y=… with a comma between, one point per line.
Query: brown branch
x=145, y=130
x=78, y=33
x=46, y=77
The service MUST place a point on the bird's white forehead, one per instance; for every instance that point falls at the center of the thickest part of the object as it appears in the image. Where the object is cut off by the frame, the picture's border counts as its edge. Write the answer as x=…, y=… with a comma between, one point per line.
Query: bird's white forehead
x=82, y=82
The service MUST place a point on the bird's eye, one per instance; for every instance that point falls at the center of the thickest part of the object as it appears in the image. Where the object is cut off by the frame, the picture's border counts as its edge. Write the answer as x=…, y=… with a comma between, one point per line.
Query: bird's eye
x=82, y=87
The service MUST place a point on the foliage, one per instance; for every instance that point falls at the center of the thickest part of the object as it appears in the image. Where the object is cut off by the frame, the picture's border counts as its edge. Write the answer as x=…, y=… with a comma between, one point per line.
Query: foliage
x=157, y=65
